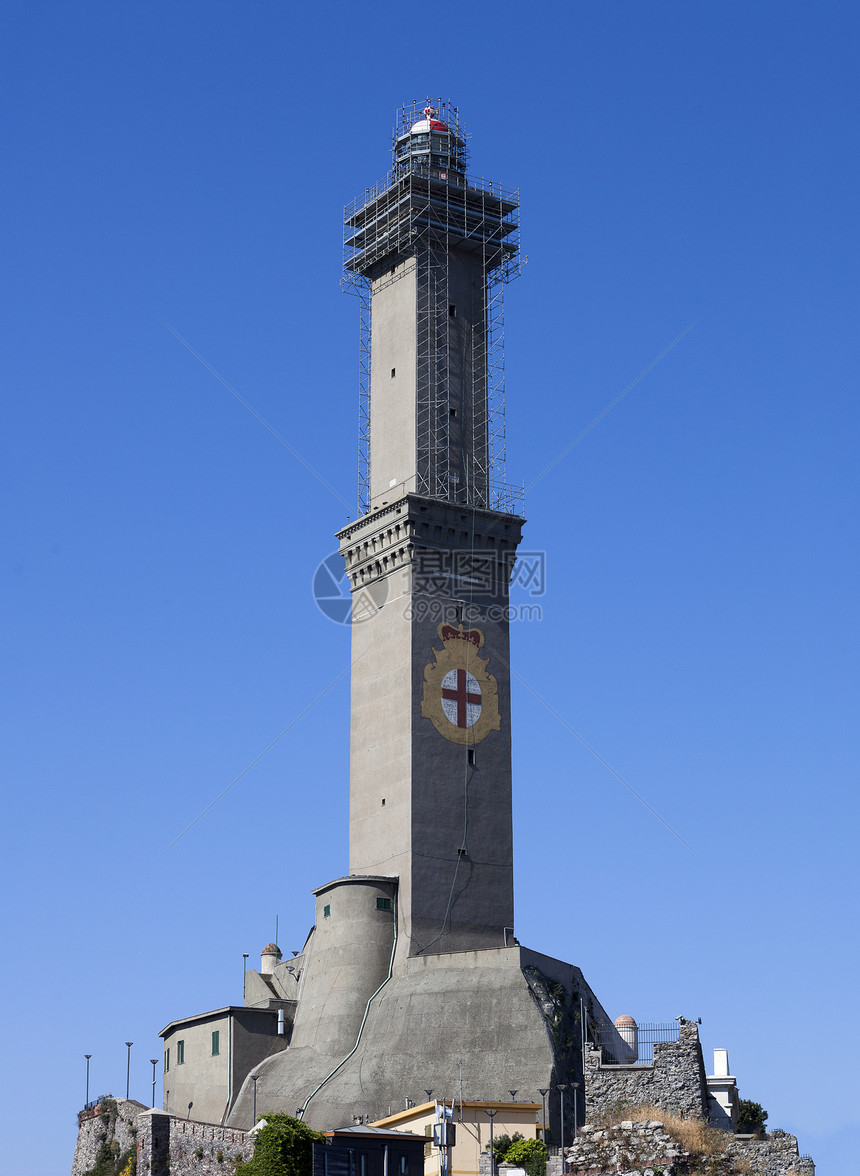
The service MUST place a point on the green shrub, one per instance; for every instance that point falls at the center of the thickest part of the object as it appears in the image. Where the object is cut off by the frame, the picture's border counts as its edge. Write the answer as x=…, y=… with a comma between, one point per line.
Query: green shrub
x=501, y=1143
x=529, y=1154
x=751, y=1117
x=284, y=1147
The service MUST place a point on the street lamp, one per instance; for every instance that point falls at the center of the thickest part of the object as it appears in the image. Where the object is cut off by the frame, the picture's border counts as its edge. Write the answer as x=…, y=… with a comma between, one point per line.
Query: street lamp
x=492, y=1115
x=88, y=1056
x=543, y=1092
x=254, y=1078
x=562, y=1087
x=575, y=1086
x=153, y=1063
x=513, y=1095
x=129, y=1044
x=245, y=955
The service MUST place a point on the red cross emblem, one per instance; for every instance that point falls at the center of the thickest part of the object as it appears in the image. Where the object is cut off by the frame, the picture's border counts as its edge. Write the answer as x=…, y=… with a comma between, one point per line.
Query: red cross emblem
x=461, y=698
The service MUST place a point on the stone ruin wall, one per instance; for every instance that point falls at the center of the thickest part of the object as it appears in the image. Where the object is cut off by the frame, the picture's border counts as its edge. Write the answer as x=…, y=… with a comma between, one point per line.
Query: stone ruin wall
x=165, y=1145
x=634, y=1148
x=181, y=1147
x=111, y=1122
x=675, y=1082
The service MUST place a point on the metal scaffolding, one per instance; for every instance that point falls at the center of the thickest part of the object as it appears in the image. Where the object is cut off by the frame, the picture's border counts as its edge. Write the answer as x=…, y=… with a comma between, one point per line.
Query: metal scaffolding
x=429, y=209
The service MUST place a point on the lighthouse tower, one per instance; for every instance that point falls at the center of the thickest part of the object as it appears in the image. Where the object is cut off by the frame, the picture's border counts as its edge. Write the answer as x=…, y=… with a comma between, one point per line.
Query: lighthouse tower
x=429, y=251
x=411, y=977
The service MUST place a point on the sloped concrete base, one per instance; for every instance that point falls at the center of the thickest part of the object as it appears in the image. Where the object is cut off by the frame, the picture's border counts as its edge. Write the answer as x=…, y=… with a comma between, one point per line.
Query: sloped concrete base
x=506, y=1018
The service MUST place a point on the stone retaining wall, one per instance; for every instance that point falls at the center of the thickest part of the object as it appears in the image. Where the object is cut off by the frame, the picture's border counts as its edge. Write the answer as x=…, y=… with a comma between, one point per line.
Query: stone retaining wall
x=626, y=1147
x=674, y=1082
x=182, y=1147
x=637, y=1148
x=775, y=1156
x=111, y=1124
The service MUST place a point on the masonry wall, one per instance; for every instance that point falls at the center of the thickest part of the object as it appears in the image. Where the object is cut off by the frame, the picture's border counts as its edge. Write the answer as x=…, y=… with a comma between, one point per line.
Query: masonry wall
x=168, y=1146
x=112, y=1125
x=629, y=1148
x=675, y=1082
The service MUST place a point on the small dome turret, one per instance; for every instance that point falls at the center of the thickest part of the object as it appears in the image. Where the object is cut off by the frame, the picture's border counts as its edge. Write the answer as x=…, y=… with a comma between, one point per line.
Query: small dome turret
x=270, y=957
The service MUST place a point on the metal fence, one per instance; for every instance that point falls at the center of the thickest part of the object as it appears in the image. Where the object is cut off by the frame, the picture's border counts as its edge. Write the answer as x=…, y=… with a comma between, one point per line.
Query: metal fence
x=633, y=1045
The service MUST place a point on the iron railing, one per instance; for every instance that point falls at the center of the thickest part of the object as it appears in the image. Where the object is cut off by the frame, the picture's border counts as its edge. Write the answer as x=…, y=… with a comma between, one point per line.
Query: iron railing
x=633, y=1045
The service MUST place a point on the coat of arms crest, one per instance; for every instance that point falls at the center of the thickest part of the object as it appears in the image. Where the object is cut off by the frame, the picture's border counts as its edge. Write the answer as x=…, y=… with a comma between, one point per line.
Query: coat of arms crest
x=460, y=698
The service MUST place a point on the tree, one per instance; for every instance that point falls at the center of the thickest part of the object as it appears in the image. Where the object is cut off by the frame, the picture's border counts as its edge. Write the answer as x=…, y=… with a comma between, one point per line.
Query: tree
x=284, y=1147
x=501, y=1143
x=751, y=1117
x=529, y=1154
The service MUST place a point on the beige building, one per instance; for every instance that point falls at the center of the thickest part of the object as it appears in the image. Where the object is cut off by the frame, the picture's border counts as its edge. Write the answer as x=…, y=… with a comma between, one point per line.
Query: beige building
x=473, y=1130
x=207, y=1058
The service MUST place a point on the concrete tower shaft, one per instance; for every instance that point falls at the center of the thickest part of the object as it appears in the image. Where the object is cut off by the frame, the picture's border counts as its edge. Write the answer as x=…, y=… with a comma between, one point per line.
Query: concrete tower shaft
x=430, y=559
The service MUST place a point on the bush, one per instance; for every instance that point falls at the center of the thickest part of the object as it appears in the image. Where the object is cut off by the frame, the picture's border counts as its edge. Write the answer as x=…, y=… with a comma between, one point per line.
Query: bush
x=284, y=1147
x=529, y=1154
x=501, y=1144
x=751, y=1117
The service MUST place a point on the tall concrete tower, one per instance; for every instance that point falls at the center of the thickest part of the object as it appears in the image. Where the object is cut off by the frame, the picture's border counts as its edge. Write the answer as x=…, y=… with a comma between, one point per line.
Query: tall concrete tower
x=429, y=251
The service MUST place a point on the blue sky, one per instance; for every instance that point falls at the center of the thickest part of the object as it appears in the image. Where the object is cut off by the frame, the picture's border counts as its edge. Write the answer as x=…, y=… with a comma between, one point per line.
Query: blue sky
x=182, y=167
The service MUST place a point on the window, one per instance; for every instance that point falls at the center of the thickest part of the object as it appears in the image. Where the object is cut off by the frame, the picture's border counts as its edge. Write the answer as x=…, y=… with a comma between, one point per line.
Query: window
x=393, y=370
x=404, y=1166
x=180, y=1053
x=470, y=756
x=362, y=1164
x=452, y=412
x=216, y=1042
x=326, y=911
x=452, y=311
x=383, y=904
x=428, y=1146
x=167, y=1059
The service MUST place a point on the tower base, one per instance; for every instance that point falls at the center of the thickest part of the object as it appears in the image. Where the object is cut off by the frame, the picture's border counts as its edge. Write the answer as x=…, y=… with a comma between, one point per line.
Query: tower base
x=475, y=1023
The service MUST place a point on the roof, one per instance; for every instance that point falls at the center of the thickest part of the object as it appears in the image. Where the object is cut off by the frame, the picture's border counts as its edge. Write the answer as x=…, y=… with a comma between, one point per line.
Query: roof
x=427, y=124
x=226, y=1011
x=271, y=949
x=428, y=1107
x=366, y=1129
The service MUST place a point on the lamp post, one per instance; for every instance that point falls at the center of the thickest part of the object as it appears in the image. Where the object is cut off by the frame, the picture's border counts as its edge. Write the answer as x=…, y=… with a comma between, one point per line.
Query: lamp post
x=88, y=1056
x=513, y=1095
x=575, y=1086
x=254, y=1078
x=129, y=1044
x=245, y=955
x=562, y=1087
x=543, y=1092
x=153, y=1063
x=492, y=1115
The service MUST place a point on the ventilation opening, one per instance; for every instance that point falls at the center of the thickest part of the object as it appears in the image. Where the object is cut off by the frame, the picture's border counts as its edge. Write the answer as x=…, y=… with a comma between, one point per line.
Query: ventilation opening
x=470, y=756
x=383, y=904
x=452, y=311
x=452, y=412
x=393, y=370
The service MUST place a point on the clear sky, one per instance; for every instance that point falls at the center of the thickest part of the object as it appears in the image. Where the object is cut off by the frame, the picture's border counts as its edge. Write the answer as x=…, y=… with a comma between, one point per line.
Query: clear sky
x=182, y=167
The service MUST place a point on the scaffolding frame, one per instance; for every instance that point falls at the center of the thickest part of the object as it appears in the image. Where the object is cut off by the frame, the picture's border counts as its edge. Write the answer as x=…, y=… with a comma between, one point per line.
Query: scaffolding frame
x=427, y=210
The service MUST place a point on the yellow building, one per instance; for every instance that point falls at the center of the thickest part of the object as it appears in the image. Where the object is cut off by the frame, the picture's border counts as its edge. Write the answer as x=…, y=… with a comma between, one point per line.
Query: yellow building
x=473, y=1130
